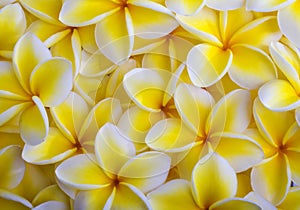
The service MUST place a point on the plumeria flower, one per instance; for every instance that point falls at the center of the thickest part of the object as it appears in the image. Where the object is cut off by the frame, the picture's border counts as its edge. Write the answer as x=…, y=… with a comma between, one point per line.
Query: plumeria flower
x=12, y=19
x=118, y=21
x=35, y=81
x=287, y=58
x=213, y=186
x=235, y=46
x=290, y=201
x=203, y=121
x=116, y=177
x=278, y=136
x=267, y=6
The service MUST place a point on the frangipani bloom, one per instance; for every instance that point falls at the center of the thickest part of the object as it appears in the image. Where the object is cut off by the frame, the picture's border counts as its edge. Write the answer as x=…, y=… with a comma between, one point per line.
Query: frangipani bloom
x=118, y=21
x=116, y=178
x=213, y=186
x=203, y=121
x=235, y=46
x=13, y=25
x=35, y=80
x=287, y=57
x=279, y=138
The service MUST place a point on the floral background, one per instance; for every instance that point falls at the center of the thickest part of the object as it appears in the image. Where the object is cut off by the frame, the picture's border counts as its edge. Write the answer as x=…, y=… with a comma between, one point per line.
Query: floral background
x=149, y=104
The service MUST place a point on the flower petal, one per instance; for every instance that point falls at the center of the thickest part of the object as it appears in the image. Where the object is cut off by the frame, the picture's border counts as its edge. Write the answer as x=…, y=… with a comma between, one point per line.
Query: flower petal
x=194, y=105
x=12, y=19
x=112, y=149
x=85, y=12
x=146, y=171
x=232, y=113
x=116, y=43
x=259, y=200
x=34, y=123
x=52, y=81
x=249, y=62
x=12, y=167
x=290, y=15
x=24, y=63
x=49, y=205
x=145, y=87
x=54, y=148
x=207, y=64
x=150, y=19
x=81, y=172
x=287, y=59
x=47, y=10
x=224, y=5
x=52, y=192
x=208, y=186
x=291, y=200
x=266, y=6
x=271, y=178
x=235, y=203
x=288, y=99
x=267, y=123
x=70, y=115
x=92, y=199
x=243, y=155
x=293, y=158
x=87, y=38
x=178, y=191
x=10, y=200
x=185, y=7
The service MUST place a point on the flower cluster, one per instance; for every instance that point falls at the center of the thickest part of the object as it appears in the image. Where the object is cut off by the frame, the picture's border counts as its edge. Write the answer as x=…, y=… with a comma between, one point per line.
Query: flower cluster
x=149, y=104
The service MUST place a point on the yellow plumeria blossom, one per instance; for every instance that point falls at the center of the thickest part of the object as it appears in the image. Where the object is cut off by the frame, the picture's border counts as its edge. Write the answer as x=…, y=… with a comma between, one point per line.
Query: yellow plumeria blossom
x=213, y=186
x=13, y=25
x=116, y=178
x=287, y=58
x=235, y=46
x=203, y=121
x=278, y=136
x=118, y=21
x=34, y=81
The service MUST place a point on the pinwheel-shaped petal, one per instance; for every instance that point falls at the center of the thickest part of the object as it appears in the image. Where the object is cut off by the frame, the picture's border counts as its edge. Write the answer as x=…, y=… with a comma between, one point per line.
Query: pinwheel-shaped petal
x=225, y=5
x=13, y=201
x=291, y=200
x=185, y=7
x=266, y=6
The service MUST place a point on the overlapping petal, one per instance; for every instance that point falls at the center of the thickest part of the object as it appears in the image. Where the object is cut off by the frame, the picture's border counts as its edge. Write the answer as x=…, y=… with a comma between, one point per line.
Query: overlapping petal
x=266, y=6
x=225, y=5
x=12, y=201
x=235, y=203
x=291, y=200
x=185, y=7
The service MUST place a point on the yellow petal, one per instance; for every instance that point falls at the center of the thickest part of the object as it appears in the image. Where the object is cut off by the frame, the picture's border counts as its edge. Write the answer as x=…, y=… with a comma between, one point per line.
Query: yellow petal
x=8, y=139
x=51, y=205
x=116, y=43
x=213, y=179
x=288, y=98
x=12, y=19
x=290, y=141
x=47, y=10
x=266, y=6
x=24, y=63
x=287, y=59
x=243, y=155
x=81, y=172
x=194, y=105
x=224, y=5
x=231, y=113
x=185, y=7
x=112, y=149
x=54, y=148
x=207, y=64
x=128, y=197
x=92, y=199
x=259, y=33
x=10, y=200
x=85, y=12
x=52, y=81
x=267, y=123
x=69, y=48
x=150, y=19
x=204, y=24
x=235, y=203
x=145, y=87
x=288, y=20
x=12, y=167
x=70, y=115
x=87, y=38
x=259, y=200
x=34, y=123
x=146, y=171
x=271, y=178
x=292, y=199
x=52, y=192
x=293, y=158
x=244, y=184
x=249, y=62
x=175, y=194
